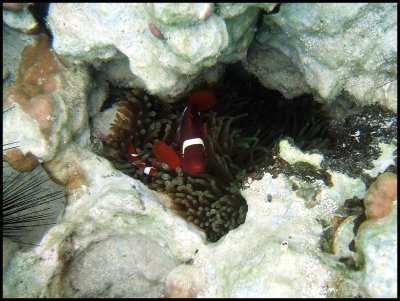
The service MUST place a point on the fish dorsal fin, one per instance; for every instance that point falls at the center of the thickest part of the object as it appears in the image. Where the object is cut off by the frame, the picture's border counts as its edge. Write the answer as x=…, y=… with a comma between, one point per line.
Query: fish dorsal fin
x=203, y=100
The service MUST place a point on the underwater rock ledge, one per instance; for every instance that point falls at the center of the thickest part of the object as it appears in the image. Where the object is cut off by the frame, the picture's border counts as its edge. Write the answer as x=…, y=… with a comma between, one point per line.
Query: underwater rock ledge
x=286, y=220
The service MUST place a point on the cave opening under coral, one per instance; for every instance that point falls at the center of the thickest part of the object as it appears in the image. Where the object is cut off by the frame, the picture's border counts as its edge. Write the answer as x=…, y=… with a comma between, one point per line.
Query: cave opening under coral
x=241, y=133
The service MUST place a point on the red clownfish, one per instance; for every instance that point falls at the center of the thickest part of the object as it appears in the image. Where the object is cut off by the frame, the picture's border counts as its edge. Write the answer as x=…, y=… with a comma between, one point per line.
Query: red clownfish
x=192, y=150
x=132, y=157
x=147, y=170
x=166, y=154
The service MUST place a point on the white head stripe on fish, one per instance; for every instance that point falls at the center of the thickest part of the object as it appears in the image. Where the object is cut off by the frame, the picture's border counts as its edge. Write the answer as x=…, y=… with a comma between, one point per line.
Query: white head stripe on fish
x=147, y=170
x=193, y=141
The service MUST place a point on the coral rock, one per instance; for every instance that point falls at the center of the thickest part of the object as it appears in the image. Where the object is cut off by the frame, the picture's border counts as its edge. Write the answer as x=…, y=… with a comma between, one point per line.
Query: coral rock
x=329, y=48
x=64, y=169
x=183, y=44
x=117, y=239
x=14, y=43
x=185, y=281
x=127, y=267
x=47, y=104
x=17, y=16
x=378, y=244
x=12, y=6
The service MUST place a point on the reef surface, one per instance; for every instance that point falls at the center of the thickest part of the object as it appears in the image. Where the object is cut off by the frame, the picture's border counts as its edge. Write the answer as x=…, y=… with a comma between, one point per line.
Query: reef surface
x=300, y=195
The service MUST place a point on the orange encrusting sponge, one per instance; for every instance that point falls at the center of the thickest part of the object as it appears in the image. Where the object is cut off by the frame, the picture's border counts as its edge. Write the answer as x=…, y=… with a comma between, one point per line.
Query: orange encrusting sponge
x=167, y=155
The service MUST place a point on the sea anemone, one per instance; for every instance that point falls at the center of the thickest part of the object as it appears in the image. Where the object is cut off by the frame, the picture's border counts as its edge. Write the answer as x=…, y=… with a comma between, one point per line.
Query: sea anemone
x=209, y=201
x=237, y=143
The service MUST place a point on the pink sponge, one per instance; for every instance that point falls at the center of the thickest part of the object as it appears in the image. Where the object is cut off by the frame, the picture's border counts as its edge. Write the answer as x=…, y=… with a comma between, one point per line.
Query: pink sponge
x=380, y=196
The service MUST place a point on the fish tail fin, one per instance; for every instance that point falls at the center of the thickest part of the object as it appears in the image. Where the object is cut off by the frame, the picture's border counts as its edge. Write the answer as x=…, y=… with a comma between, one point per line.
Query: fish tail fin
x=203, y=100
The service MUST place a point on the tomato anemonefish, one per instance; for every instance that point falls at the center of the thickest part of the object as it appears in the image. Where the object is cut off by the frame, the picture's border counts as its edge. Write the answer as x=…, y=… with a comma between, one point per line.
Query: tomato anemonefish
x=132, y=157
x=192, y=150
x=147, y=170
x=166, y=154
